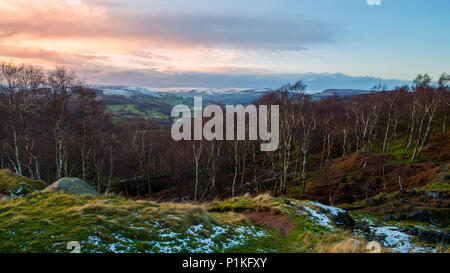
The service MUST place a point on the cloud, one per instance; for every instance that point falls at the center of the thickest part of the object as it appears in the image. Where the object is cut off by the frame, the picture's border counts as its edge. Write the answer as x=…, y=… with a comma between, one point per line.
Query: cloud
x=73, y=2
x=77, y=19
x=148, y=55
x=374, y=2
x=224, y=79
x=50, y=56
x=228, y=31
x=133, y=46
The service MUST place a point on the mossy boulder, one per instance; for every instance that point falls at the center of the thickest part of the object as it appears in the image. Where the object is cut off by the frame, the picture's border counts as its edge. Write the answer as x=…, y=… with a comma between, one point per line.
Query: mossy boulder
x=343, y=219
x=419, y=215
x=71, y=185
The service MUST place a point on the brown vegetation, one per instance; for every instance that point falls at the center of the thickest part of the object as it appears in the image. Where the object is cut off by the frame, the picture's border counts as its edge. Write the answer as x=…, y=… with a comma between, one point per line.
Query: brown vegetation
x=333, y=150
x=280, y=221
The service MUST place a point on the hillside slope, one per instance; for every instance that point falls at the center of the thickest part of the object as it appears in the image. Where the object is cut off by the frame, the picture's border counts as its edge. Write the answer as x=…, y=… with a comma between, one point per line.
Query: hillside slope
x=46, y=222
x=411, y=217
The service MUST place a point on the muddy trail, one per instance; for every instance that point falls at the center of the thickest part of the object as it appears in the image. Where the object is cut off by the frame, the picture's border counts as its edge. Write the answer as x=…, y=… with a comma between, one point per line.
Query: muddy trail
x=279, y=222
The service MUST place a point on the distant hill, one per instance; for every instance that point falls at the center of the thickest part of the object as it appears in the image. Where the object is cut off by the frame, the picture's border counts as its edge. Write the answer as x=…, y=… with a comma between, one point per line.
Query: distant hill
x=249, y=80
x=130, y=102
x=223, y=95
x=340, y=92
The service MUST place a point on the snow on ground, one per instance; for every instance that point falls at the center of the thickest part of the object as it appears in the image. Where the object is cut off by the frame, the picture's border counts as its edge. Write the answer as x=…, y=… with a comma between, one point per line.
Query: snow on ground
x=392, y=236
x=317, y=212
x=17, y=193
x=196, y=239
x=124, y=90
x=333, y=210
x=320, y=218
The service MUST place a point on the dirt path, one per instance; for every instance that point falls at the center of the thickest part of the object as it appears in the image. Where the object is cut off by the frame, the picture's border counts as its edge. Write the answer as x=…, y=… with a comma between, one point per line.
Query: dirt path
x=268, y=220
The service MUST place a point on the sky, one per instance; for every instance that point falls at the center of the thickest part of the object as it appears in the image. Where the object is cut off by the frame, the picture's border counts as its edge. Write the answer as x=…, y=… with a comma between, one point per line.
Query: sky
x=239, y=43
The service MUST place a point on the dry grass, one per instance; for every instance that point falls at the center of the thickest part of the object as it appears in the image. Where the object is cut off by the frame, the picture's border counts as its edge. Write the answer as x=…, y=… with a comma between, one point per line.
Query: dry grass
x=348, y=245
x=246, y=203
x=20, y=185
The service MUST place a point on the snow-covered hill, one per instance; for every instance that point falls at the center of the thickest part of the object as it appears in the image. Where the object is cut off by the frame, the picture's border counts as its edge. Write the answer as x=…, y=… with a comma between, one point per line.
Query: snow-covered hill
x=124, y=90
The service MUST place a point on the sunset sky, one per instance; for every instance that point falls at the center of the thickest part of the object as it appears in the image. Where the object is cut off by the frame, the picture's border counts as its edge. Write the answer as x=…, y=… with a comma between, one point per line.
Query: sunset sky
x=172, y=43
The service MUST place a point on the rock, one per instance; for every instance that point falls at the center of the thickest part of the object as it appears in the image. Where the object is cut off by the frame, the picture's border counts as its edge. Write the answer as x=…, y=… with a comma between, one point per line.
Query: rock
x=430, y=236
x=389, y=216
x=412, y=231
x=419, y=215
x=4, y=197
x=287, y=202
x=363, y=227
x=431, y=194
x=443, y=176
x=343, y=219
x=71, y=185
x=399, y=217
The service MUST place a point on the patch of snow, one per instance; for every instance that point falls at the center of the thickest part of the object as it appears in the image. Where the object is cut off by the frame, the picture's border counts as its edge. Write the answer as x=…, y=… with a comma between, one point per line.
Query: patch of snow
x=123, y=243
x=316, y=211
x=393, y=238
x=139, y=228
x=16, y=193
x=333, y=210
x=173, y=216
x=196, y=239
x=320, y=218
x=94, y=240
x=124, y=90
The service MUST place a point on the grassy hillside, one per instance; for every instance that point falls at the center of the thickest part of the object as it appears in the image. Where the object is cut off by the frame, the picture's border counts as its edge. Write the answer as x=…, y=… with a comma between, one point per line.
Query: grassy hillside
x=413, y=219
x=46, y=222
x=345, y=182
x=14, y=185
x=155, y=107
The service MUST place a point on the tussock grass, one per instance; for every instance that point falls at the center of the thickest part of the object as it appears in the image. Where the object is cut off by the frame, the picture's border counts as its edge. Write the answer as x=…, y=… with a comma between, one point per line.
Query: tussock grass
x=261, y=203
x=46, y=221
x=306, y=236
x=12, y=184
x=348, y=245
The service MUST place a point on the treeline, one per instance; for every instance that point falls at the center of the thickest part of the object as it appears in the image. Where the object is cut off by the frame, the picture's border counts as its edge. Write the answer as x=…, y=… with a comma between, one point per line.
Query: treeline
x=54, y=127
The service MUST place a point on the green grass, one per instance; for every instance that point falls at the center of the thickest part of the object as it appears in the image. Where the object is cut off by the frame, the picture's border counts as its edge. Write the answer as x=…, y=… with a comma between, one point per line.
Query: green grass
x=439, y=184
x=379, y=199
x=306, y=235
x=397, y=149
x=154, y=113
x=124, y=107
x=174, y=99
x=262, y=203
x=12, y=184
x=146, y=106
x=46, y=222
